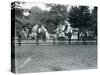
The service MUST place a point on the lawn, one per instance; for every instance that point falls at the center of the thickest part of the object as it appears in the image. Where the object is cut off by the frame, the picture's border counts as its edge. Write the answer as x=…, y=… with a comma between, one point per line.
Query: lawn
x=32, y=58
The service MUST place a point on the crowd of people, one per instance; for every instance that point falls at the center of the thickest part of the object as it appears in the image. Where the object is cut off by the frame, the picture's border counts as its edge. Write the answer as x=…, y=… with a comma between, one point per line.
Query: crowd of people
x=40, y=32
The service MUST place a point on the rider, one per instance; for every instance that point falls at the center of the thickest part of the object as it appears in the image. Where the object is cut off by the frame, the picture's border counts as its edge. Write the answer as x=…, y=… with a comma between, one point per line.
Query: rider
x=41, y=33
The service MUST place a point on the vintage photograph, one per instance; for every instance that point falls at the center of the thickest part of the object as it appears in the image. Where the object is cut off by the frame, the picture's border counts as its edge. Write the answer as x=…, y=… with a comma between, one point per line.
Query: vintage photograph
x=53, y=37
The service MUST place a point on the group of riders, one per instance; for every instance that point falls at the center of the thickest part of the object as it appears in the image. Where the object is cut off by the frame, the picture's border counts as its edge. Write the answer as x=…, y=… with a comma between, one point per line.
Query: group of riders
x=40, y=32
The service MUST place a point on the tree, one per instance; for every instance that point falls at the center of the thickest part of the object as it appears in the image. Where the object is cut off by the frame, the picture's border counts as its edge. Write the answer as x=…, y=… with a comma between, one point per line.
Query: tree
x=16, y=16
x=51, y=18
x=79, y=17
x=58, y=13
x=16, y=9
x=93, y=21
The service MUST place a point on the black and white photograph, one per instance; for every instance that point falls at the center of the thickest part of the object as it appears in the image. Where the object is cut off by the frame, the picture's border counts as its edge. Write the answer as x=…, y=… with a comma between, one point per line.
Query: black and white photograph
x=48, y=37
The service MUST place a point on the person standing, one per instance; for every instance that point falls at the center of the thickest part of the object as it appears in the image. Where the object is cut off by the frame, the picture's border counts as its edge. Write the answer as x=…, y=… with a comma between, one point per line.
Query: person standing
x=83, y=37
x=69, y=34
x=39, y=34
x=19, y=35
x=69, y=37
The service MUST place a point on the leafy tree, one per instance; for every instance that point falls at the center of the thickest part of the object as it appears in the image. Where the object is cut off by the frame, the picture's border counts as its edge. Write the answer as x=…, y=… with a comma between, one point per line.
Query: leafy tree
x=16, y=16
x=93, y=21
x=16, y=9
x=58, y=13
x=80, y=17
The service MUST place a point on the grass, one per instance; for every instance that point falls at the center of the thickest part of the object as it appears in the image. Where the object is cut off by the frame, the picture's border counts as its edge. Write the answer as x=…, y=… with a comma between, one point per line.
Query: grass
x=55, y=58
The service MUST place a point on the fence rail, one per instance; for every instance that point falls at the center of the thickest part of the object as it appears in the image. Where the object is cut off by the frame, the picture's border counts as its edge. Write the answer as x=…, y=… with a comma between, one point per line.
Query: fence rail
x=51, y=42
